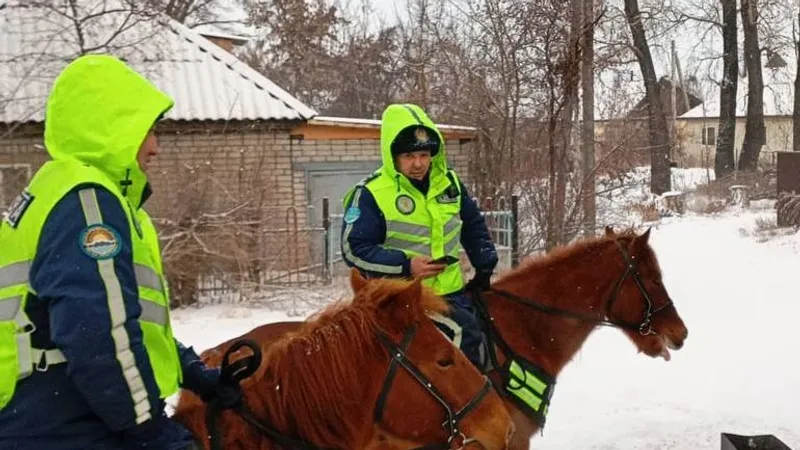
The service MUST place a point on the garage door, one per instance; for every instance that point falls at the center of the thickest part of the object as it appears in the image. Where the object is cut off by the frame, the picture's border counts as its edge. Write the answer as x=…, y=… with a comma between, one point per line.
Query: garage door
x=333, y=182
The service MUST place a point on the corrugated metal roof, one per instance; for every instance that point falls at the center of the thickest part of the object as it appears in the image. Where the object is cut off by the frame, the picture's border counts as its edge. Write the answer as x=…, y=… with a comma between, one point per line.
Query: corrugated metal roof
x=376, y=123
x=206, y=82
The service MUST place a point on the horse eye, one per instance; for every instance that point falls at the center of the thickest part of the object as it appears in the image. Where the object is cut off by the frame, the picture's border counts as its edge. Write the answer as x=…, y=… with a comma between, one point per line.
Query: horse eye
x=446, y=361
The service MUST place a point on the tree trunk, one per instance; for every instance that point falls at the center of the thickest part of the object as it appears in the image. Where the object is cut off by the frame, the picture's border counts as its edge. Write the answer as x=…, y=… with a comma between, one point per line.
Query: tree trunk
x=660, y=180
x=796, y=112
x=570, y=79
x=723, y=158
x=754, y=133
x=587, y=130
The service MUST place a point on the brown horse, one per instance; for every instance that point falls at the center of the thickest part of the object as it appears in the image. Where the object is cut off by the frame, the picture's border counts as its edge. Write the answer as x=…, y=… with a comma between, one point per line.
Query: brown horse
x=332, y=384
x=544, y=310
x=541, y=312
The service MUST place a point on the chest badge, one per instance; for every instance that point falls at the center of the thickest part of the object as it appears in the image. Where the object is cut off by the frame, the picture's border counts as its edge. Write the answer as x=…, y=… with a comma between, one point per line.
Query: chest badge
x=405, y=204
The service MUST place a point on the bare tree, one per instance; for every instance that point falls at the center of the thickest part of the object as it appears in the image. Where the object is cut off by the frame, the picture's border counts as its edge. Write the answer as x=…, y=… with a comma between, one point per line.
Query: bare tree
x=297, y=46
x=195, y=13
x=587, y=131
x=724, y=159
x=796, y=110
x=660, y=179
x=51, y=33
x=755, y=131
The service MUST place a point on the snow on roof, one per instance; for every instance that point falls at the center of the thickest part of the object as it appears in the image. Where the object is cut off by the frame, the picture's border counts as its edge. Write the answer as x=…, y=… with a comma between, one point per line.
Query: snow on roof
x=778, y=94
x=206, y=82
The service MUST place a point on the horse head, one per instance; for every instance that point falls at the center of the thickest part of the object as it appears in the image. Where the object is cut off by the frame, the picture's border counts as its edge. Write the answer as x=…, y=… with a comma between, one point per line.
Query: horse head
x=455, y=391
x=542, y=311
x=372, y=373
x=638, y=301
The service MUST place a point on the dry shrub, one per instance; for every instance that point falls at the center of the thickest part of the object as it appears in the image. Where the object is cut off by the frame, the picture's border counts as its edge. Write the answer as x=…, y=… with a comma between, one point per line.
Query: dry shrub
x=209, y=247
x=760, y=184
x=647, y=211
x=202, y=243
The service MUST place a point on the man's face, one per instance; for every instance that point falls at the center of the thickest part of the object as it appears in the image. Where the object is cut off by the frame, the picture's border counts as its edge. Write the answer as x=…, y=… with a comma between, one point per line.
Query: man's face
x=414, y=165
x=147, y=151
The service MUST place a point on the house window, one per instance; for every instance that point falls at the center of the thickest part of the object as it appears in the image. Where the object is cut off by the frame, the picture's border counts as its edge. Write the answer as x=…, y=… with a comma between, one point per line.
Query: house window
x=13, y=179
x=709, y=136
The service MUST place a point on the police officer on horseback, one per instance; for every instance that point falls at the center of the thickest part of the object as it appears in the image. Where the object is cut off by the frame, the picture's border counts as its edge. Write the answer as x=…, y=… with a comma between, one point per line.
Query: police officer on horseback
x=412, y=217
x=87, y=353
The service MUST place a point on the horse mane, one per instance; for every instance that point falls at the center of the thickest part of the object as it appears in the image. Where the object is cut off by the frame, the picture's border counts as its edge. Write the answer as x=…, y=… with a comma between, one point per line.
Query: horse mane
x=310, y=374
x=587, y=245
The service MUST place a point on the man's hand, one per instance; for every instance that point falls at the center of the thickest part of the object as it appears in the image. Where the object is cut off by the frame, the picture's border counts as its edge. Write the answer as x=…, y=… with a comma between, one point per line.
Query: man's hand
x=226, y=392
x=482, y=281
x=421, y=266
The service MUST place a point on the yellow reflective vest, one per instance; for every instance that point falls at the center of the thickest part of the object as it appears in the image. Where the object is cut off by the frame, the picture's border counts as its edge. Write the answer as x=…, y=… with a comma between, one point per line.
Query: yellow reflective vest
x=416, y=224
x=19, y=243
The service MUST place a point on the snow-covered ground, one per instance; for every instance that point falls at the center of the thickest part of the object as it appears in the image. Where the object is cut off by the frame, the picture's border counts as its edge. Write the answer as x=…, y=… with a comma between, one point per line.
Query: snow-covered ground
x=739, y=371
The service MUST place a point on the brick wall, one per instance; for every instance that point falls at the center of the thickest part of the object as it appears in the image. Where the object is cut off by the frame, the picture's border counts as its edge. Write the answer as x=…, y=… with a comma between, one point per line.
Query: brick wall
x=20, y=155
x=250, y=173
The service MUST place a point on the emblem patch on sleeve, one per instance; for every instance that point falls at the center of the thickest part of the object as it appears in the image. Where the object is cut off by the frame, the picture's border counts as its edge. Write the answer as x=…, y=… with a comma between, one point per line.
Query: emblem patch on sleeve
x=352, y=214
x=100, y=241
x=17, y=208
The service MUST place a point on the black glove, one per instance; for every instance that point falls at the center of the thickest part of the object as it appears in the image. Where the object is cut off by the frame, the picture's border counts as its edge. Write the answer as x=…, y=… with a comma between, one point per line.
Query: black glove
x=227, y=393
x=481, y=281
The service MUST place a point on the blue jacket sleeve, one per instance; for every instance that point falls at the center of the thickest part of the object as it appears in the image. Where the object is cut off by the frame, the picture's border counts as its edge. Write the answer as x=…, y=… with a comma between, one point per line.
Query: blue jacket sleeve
x=93, y=315
x=363, y=233
x=475, y=236
x=197, y=377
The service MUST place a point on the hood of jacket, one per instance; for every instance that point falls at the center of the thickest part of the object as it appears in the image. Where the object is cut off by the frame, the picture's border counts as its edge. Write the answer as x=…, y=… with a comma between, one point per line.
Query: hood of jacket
x=99, y=113
x=395, y=119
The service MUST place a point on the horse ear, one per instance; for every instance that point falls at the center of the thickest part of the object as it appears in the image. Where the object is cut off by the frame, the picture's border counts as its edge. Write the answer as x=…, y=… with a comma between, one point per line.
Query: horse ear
x=403, y=307
x=356, y=280
x=411, y=295
x=609, y=231
x=641, y=240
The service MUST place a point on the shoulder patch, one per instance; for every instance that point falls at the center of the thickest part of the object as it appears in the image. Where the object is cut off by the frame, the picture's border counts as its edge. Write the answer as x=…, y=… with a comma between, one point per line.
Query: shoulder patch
x=352, y=214
x=16, y=210
x=100, y=241
x=369, y=178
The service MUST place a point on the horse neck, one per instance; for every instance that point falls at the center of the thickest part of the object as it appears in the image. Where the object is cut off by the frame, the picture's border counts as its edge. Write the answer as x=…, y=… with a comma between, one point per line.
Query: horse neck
x=547, y=339
x=272, y=405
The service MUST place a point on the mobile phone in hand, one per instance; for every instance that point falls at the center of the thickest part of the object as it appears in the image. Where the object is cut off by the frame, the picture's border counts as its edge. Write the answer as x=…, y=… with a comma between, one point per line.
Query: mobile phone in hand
x=447, y=259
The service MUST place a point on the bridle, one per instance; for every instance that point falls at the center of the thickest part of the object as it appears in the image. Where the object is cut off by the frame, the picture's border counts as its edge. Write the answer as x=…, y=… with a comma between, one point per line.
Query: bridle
x=245, y=367
x=496, y=343
x=645, y=327
x=456, y=438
